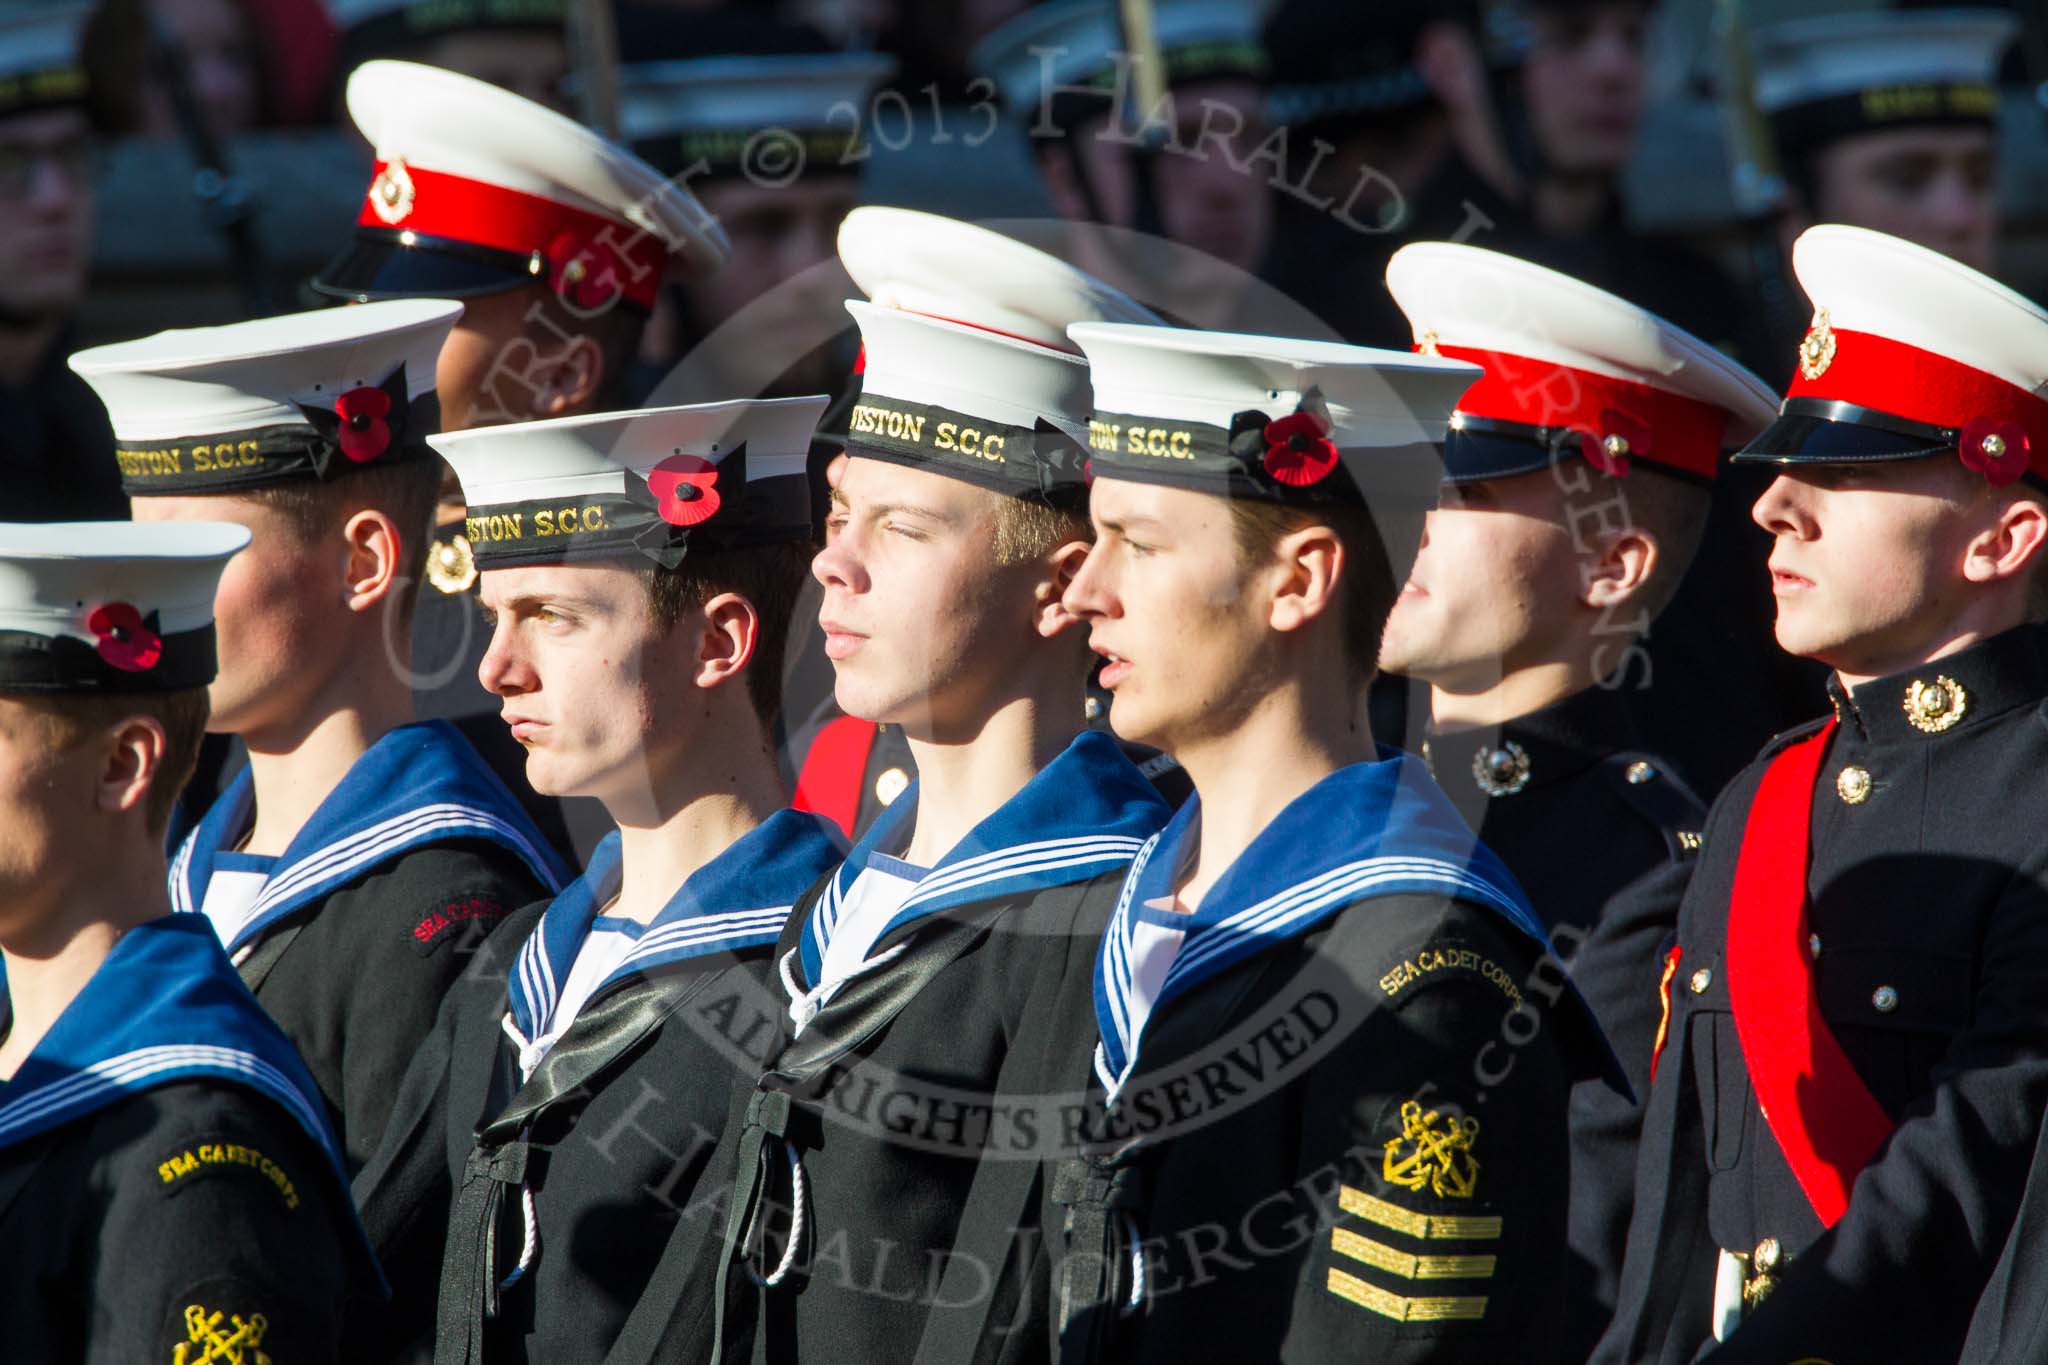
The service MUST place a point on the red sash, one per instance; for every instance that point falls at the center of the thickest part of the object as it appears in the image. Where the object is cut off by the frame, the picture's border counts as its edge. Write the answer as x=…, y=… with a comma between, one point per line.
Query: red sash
x=1825, y=1119
x=834, y=768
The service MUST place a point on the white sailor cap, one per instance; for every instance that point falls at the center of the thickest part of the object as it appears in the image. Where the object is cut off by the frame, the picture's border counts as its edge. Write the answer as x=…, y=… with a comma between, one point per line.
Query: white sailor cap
x=767, y=116
x=39, y=62
x=968, y=367
x=476, y=191
x=1911, y=355
x=1571, y=371
x=1281, y=419
x=277, y=400
x=642, y=484
x=1072, y=52
x=391, y=25
x=1832, y=76
x=110, y=606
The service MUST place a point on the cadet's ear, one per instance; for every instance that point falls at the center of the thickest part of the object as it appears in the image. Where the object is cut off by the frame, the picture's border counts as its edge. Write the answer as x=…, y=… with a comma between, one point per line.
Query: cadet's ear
x=726, y=643
x=1051, y=606
x=1624, y=566
x=1311, y=562
x=2011, y=547
x=376, y=558
x=568, y=380
x=132, y=759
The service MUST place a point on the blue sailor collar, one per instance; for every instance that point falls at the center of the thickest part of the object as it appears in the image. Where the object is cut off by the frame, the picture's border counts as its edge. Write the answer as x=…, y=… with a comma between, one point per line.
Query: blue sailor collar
x=1369, y=830
x=164, y=1006
x=1084, y=813
x=420, y=784
x=738, y=900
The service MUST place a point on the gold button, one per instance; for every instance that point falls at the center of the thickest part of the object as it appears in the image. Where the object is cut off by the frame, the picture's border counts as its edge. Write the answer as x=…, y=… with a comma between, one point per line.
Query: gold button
x=890, y=784
x=1615, y=447
x=1092, y=708
x=1640, y=772
x=1994, y=445
x=1884, y=999
x=1767, y=1255
x=1702, y=979
x=1852, y=784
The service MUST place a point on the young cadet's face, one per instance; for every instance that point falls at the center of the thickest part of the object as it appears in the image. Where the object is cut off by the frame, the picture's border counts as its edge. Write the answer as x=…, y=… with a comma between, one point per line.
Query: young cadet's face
x=1494, y=584
x=924, y=629
x=1866, y=564
x=593, y=689
x=1173, y=605
x=1931, y=185
x=273, y=613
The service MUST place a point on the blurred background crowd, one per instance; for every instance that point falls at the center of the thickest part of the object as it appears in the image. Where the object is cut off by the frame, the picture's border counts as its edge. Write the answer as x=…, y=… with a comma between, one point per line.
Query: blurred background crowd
x=1630, y=143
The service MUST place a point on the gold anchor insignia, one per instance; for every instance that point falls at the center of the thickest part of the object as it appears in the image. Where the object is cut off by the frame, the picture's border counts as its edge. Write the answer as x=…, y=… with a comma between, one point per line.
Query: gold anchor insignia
x=1434, y=1149
x=1934, y=707
x=1817, y=351
x=392, y=193
x=1428, y=344
x=219, y=1346
x=1503, y=771
x=451, y=565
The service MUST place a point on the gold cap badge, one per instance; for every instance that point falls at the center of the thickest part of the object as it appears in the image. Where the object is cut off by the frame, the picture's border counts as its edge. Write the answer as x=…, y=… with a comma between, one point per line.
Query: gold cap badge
x=392, y=193
x=1817, y=351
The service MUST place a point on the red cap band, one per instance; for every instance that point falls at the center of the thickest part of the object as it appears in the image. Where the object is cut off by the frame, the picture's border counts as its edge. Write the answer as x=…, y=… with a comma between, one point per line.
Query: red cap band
x=1683, y=433
x=1890, y=376
x=591, y=259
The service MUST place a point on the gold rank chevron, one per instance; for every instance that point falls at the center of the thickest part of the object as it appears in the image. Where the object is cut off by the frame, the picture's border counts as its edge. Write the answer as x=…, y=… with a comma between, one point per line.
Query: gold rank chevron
x=1402, y=1309
x=1380, y=1256
x=1424, y=1225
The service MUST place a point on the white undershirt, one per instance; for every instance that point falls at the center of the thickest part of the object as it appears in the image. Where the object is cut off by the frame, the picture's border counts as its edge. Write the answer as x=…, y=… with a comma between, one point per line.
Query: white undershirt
x=599, y=955
x=1155, y=943
x=870, y=903
x=230, y=895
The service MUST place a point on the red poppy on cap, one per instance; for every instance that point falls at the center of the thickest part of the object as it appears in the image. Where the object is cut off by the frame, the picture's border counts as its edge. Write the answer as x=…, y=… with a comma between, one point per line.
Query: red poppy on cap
x=123, y=640
x=685, y=489
x=1299, y=451
x=365, y=423
x=1997, y=450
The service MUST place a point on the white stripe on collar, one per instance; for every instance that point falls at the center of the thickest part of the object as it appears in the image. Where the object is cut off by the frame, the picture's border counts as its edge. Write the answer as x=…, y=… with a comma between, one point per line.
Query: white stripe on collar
x=134, y=1070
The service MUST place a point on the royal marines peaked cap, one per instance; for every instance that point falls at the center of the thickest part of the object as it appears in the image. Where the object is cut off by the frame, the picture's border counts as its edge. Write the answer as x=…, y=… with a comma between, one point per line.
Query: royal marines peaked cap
x=1571, y=371
x=308, y=396
x=1277, y=419
x=1822, y=79
x=968, y=368
x=110, y=606
x=477, y=191
x=769, y=117
x=1911, y=356
x=40, y=67
x=1060, y=52
x=644, y=485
